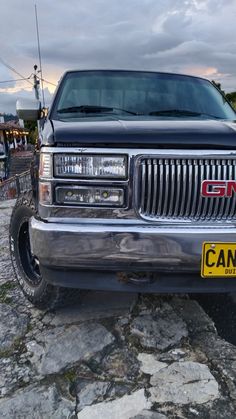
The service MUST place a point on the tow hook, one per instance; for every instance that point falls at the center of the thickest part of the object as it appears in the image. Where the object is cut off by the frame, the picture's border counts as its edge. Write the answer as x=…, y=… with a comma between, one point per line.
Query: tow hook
x=136, y=277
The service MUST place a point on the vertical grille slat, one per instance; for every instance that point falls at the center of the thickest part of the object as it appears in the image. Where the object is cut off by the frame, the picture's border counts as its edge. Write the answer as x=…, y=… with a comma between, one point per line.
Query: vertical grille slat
x=195, y=189
x=227, y=206
x=201, y=178
x=233, y=201
x=189, y=187
x=178, y=183
x=149, y=186
x=143, y=186
x=217, y=201
x=184, y=185
x=170, y=188
x=223, y=200
x=166, y=185
x=211, y=201
x=205, y=200
x=160, y=183
x=155, y=181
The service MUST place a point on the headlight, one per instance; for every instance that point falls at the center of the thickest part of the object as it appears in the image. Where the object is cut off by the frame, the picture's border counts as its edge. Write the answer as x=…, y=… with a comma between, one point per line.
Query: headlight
x=90, y=196
x=87, y=166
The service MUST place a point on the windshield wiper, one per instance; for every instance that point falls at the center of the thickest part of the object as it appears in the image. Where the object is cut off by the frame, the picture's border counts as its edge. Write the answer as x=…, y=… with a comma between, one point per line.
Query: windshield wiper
x=180, y=112
x=92, y=109
x=174, y=112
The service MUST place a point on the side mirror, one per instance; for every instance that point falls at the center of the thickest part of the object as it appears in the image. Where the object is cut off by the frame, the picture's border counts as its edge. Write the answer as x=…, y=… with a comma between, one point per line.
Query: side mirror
x=28, y=109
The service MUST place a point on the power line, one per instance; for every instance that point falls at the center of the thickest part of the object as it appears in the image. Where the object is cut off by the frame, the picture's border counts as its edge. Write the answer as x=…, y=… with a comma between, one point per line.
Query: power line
x=24, y=78
x=14, y=70
x=14, y=80
x=28, y=78
x=48, y=82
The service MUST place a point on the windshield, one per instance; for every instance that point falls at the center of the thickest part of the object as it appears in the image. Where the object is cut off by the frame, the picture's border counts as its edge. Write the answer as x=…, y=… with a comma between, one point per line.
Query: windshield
x=131, y=94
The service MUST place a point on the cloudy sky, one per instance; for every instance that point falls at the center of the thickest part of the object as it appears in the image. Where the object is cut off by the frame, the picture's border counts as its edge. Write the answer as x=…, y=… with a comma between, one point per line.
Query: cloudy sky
x=187, y=36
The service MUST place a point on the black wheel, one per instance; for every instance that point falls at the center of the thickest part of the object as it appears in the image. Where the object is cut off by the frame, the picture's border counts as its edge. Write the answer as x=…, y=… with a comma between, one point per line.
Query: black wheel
x=27, y=267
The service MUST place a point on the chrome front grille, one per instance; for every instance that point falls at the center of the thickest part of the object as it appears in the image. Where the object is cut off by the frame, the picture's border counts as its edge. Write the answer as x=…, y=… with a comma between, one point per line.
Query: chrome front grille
x=169, y=188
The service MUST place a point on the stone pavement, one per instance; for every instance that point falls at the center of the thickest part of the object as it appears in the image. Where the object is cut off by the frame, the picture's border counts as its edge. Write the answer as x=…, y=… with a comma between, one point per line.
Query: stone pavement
x=112, y=355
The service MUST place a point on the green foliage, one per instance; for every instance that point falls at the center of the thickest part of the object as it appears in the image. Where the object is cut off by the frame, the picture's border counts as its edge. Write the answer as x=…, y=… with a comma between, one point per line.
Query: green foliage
x=33, y=131
x=70, y=375
x=232, y=98
x=4, y=298
x=31, y=125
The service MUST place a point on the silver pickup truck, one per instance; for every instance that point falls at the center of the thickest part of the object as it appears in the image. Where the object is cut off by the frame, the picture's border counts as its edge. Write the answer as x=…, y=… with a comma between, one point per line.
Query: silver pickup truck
x=135, y=188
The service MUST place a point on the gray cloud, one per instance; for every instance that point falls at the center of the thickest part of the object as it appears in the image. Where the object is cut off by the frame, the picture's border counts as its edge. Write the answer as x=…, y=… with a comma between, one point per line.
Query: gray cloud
x=8, y=100
x=195, y=36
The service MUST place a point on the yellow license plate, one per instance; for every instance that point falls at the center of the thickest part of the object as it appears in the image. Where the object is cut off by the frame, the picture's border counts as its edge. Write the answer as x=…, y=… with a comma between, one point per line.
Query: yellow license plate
x=218, y=260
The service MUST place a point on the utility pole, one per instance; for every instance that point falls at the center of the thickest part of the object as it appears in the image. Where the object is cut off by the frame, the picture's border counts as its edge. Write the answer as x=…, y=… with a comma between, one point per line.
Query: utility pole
x=36, y=83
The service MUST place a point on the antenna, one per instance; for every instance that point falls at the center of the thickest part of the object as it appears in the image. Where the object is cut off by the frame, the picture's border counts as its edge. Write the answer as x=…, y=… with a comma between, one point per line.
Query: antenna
x=39, y=53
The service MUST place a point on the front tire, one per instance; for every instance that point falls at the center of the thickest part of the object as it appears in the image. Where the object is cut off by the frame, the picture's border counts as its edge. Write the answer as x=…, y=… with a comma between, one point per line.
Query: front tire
x=27, y=267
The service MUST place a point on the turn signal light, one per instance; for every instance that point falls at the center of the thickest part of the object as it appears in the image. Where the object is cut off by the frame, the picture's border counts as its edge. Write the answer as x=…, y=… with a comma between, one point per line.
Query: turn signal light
x=45, y=193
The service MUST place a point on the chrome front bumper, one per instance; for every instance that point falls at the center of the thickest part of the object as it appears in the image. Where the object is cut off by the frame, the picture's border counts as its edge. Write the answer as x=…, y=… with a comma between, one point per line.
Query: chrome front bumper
x=104, y=256
x=123, y=246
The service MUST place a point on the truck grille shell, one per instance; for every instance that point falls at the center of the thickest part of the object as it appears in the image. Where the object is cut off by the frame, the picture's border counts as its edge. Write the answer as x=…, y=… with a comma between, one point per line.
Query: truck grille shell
x=169, y=189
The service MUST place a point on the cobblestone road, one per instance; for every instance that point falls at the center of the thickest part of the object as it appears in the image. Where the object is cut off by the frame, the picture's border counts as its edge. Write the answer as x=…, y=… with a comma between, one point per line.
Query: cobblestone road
x=118, y=356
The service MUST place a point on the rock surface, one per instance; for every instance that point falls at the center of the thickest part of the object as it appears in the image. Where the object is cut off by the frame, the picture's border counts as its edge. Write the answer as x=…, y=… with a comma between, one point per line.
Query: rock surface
x=121, y=363
x=124, y=408
x=35, y=403
x=111, y=355
x=159, y=331
x=147, y=414
x=12, y=326
x=96, y=305
x=149, y=364
x=93, y=392
x=184, y=383
x=6, y=271
x=62, y=348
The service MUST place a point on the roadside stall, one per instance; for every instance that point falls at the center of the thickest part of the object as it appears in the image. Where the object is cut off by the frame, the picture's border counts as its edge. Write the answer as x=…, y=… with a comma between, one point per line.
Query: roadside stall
x=13, y=138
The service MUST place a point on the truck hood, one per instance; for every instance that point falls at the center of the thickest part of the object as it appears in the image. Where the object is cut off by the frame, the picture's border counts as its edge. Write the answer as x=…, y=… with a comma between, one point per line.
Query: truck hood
x=145, y=133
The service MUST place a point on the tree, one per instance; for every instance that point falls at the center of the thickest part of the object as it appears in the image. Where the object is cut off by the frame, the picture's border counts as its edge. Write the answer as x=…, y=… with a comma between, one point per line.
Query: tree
x=33, y=130
x=232, y=98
